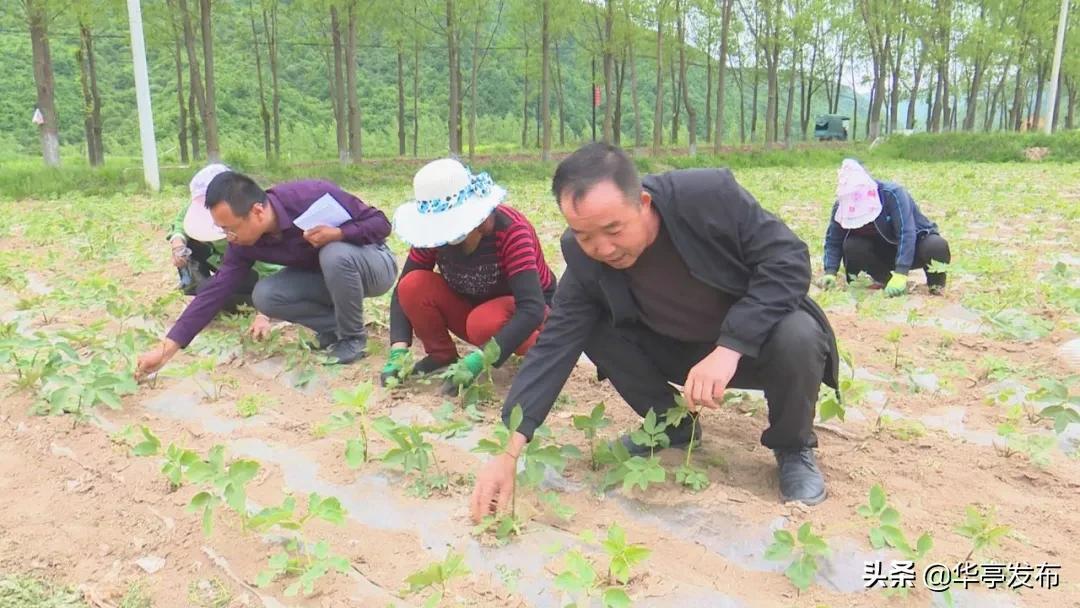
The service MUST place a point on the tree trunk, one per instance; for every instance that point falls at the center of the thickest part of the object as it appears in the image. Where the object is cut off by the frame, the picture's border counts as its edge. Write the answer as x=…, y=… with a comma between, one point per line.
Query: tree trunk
x=263, y=111
x=855, y=102
x=545, y=82
x=401, y=99
x=44, y=81
x=416, y=98
x=181, y=127
x=356, y=137
x=708, y=96
x=658, y=110
x=772, y=98
x=1040, y=81
x=1017, y=113
x=754, y=96
x=474, y=68
x=992, y=107
x=340, y=109
x=270, y=28
x=194, y=80
x=213, y=148
x=193, y=115
x=94, y=146
x=559, y=94
x=894, y=86
x=638, y=143
x=840, y=75
x=620, y=80
x=609, y=68
x=454, y=111
x=790, y=101
x=973, y=94
x=1071, y=85
x=910, y=119
x=691, y=113
x=525, y=93
x=721, y=74
x=676, y=101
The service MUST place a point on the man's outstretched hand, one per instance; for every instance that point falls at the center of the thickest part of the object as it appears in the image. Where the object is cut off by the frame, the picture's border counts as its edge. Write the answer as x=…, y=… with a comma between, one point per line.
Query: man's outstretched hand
x=494, y=487
x=707, y=380
x=155, y=358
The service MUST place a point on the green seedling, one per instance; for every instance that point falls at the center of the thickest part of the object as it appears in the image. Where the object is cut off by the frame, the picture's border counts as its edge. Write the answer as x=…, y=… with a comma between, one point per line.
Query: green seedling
x=449, y=426
x=894, y=336
x=177, y=462
x=687, y=474
x=888, y=531
x=471, y=391
x=556, y=506
x=507, y=524
x=980, y=526
x=227, y=484
x=89, y=385
x=325, y=508
x=408, y=365
x=250, y=405
x=541, y=453
x=590, y=425
x=579, y=577
x=803, y=549
x=413, y=453
x=355, y=404
x=211, y=367
x=149, y=446
x=1057, y=404
x=1035, y=446
x=436, y=576
x=637, y=471
x=309, y=566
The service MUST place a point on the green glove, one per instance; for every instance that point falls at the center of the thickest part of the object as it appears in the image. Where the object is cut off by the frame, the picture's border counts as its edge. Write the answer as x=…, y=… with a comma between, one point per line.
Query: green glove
x=394, y=364
x=828, y=281
x=474, y=362
x=897, y=285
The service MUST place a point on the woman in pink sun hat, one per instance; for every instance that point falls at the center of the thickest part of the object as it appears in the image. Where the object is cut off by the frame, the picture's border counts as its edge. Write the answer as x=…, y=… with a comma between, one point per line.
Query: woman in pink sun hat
x=875, y=227
x=198, y=245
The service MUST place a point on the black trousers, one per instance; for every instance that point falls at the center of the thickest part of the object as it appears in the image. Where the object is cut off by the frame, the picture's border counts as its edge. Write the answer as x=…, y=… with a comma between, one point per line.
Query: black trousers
x=789, y=368
x=200, y=263
x=877, y=257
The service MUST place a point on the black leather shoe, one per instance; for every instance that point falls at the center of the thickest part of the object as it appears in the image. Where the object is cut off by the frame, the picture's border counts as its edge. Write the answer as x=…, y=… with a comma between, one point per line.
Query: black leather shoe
x=800, y=478
x=679, y=436
x=347, y=351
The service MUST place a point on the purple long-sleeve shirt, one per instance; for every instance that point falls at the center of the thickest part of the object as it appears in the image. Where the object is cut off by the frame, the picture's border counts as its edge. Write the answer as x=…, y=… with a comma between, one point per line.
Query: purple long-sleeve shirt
x=289, y=200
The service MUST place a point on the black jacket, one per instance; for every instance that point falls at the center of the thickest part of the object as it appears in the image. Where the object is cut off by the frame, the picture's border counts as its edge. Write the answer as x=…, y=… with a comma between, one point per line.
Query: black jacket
x=728, y=242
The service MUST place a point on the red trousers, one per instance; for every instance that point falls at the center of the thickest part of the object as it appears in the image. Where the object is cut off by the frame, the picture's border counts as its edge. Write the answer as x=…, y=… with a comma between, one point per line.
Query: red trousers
x=435, y=310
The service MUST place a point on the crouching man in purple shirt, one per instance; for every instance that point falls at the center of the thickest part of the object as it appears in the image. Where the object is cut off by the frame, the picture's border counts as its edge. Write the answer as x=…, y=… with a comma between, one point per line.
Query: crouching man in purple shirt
x=328, y=270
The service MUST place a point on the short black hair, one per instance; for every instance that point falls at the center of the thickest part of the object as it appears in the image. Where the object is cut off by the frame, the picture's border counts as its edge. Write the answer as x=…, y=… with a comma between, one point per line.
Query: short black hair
x=238, y=190
x=593, y=164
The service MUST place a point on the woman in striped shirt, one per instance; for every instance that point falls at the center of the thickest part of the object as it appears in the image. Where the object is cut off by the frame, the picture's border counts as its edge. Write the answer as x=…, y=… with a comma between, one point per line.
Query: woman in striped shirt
x=492, y=280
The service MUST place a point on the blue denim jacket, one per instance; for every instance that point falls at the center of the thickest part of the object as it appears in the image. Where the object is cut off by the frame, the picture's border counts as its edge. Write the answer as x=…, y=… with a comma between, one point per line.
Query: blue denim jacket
x=900, y=223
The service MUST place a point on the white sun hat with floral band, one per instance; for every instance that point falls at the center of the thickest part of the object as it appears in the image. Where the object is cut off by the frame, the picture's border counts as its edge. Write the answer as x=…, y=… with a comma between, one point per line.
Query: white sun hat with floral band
x=449, y=202
x=198, y=223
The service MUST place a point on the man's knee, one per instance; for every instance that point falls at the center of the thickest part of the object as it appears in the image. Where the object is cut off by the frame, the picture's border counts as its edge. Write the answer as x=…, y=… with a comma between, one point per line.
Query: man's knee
x=264, y=297
x=797, y=338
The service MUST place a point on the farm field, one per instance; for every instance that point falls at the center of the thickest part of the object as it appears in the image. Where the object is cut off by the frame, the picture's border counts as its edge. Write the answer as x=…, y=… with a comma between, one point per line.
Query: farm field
x=960, y=409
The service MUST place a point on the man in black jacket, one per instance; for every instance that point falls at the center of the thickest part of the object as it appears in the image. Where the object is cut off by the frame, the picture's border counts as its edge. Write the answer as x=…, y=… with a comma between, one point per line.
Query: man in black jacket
x=680, y=278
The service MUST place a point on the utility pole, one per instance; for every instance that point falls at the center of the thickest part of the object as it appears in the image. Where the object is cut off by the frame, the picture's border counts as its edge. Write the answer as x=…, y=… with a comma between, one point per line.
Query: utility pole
x=142, y=97
x=1056, y=73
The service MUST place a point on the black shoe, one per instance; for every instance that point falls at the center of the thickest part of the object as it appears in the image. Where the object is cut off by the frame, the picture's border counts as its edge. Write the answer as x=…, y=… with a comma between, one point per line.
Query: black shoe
x=936, y=290
x=800, y=478
x=325, y=339
x=679, y=436
x=430, y=365
x=347, y=351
